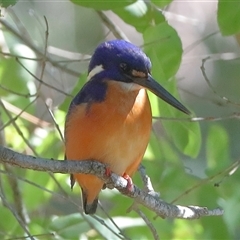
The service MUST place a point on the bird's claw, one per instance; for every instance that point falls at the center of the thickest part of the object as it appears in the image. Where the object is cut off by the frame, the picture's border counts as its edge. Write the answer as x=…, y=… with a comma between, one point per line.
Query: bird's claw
x=129, y=182
x=108, y=172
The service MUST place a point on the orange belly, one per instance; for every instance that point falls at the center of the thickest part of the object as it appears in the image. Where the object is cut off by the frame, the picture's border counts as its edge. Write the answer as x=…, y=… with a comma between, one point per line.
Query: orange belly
x=115, y=132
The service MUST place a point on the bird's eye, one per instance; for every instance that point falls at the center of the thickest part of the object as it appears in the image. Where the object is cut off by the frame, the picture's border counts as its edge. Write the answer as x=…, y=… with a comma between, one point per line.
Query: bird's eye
x=124, y=67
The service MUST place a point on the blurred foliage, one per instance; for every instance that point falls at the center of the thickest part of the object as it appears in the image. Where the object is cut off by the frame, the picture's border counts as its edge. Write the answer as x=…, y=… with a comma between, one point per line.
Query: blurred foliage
x=7, y=3
x=51, y=209
x=140, y=15
x=103, y=4
x=228, y=17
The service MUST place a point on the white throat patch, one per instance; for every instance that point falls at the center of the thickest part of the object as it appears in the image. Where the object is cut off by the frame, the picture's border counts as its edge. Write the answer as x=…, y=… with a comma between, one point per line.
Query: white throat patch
x=94, y=71
x=129, y=86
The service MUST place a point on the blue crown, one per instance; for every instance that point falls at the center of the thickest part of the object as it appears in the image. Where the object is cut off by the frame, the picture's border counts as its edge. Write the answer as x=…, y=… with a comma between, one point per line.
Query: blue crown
x=118, y=58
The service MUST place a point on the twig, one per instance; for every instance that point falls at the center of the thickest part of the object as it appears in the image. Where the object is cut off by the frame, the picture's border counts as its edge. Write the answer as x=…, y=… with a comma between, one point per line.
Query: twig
x=13, y=122
x=21, y=28
x=44, y=59
x=20, y=133
x=67, y=198
x=148, y=188
x=108, y=227
x=20, y=57
x=48, y=104
x=111, y=26
x=15, y=214
x=210, y=85
x=28, y=43
x=122, y=235
x=34, y=236
x=26, y=95
x=17, y=128
x=17, y=195
x=193, y=45
x=146, y=220
x=225, y=173
x=200, y=119
x=160, y=207
x=42, y=82
x=33, y=184
x=23, y=114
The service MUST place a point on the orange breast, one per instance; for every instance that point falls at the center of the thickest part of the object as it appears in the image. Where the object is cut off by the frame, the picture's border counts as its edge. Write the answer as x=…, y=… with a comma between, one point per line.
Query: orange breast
x=115, y=131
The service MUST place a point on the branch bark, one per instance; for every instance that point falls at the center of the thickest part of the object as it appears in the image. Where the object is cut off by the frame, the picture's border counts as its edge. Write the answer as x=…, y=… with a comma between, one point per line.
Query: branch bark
x=161, y=208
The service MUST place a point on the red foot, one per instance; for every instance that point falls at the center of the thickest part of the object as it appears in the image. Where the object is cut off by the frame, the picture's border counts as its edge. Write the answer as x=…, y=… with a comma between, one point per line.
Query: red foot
x=108, y=172
x=129, y=182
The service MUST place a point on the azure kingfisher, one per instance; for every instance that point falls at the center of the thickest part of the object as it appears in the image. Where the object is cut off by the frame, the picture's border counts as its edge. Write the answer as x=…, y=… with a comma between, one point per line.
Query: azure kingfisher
x=110, y=118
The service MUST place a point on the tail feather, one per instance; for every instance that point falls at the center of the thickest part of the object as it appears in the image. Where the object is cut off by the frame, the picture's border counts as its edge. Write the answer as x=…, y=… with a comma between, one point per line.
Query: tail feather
x=72, y=181
x=89, y=208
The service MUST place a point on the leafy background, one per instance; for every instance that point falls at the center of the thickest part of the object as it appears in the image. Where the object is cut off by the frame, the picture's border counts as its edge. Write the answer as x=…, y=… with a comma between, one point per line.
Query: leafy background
x=191, y=161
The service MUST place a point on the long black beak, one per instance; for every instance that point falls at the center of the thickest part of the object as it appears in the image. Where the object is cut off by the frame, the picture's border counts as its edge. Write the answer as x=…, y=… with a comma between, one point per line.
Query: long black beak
x=159, y=91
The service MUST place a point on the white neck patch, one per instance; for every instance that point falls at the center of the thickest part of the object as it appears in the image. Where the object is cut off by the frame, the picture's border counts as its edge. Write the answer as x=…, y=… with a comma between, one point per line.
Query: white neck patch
x=129, y=86
x=94, y=71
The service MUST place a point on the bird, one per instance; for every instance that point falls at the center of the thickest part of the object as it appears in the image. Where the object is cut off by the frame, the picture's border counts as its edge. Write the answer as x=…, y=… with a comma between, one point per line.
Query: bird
x=110, y=119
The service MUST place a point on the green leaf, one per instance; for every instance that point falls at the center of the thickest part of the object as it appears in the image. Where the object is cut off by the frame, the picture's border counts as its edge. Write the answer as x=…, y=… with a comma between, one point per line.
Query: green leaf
x=208, y=195
x=159, y=148
x=9, y=226
x=14, y=78
x=185, y=135
x=140, y=15
x=186, y=231
x=122, y=222
x=50, y=146
x=231, y=204
x=34, y=196
x=13, y=139
x=103, y=4
x=161, y=3
x=69, y=226
x=228, y=17
x=217, y=148
x=7, y=3
x=164, y=47
x=59, y=223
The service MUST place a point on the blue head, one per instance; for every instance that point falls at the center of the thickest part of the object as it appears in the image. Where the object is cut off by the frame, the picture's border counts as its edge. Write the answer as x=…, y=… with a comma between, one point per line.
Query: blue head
x=119, y=60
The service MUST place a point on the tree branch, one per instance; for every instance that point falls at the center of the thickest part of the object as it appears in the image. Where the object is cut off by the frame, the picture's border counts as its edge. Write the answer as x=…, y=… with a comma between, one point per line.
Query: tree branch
x=161, y=208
